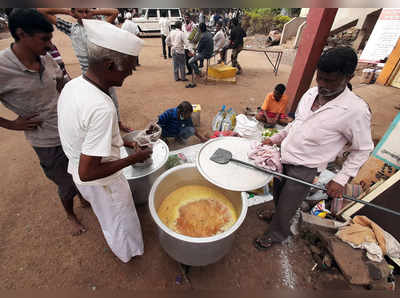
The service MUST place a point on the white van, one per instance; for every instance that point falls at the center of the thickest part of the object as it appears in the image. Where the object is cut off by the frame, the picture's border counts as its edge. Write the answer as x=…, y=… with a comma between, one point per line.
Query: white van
x=148, y=19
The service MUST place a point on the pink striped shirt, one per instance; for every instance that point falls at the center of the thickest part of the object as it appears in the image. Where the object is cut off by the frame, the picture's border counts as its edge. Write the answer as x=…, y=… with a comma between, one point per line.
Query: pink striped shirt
x=316, y=138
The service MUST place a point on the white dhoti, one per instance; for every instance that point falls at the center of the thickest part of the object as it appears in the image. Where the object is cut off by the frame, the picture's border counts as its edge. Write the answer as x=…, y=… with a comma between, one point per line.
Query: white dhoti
x=116, y=212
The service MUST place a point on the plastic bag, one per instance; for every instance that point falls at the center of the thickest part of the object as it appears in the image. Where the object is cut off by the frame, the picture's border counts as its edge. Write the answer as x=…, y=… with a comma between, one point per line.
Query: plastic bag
x=320, y=210
x=149, y=135
x=248, y=128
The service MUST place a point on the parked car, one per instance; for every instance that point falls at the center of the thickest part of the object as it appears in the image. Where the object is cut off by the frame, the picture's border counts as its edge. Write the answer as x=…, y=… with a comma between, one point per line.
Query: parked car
x=148, y=19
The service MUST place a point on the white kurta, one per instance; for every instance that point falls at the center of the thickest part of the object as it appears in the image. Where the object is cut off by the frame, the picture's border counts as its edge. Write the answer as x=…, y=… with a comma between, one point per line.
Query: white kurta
x=90, y=126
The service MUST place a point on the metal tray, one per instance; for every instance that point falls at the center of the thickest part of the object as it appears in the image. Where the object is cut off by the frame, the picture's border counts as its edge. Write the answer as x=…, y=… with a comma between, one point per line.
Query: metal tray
x=231, y=176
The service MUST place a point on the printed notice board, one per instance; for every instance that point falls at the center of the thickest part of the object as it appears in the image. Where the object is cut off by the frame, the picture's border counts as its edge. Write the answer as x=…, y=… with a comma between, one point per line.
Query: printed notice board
x=388, y=149
x=384, y=36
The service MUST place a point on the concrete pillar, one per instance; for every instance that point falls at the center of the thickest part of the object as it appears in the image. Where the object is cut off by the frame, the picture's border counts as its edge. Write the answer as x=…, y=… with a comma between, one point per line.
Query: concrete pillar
x=313, y=39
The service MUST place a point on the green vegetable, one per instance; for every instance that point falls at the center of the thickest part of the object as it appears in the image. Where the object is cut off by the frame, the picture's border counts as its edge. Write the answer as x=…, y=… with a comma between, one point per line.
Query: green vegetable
x=269, y=132
x=172, y=161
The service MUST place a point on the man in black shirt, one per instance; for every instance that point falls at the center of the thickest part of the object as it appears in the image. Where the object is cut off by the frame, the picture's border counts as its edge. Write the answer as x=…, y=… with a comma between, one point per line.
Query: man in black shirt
x=236, y=38
x=205, y=48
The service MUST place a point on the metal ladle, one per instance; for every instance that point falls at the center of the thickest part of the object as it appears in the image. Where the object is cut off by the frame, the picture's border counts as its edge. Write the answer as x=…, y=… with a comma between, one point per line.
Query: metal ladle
x=223, y=156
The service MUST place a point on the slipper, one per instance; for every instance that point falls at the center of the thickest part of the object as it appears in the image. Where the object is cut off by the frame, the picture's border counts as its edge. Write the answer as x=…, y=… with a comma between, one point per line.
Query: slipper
x=263, y=243
x=265, y=214
x=190, y=85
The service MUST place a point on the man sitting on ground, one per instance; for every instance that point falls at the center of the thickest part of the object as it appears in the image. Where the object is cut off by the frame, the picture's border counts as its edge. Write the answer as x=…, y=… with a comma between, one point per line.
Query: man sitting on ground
x=273, y=38
x=177, y=123
x=273, y=109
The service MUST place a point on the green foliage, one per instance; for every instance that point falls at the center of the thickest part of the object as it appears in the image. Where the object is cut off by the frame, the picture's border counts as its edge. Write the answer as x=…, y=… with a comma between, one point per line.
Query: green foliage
x=279, y=21
x=263, y=20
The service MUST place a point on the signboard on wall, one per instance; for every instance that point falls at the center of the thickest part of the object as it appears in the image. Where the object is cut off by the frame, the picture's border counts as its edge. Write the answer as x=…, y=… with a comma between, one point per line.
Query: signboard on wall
x=388, y=149
x=384, y=36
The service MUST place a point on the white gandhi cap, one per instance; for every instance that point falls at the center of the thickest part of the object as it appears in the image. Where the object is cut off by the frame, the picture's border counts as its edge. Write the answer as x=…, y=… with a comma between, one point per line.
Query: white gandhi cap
x=111, y=37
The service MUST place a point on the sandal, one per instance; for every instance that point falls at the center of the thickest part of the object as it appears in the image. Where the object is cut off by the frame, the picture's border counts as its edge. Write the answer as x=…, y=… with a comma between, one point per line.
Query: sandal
x=190, y=85
x=265, y=214
x=263, y=242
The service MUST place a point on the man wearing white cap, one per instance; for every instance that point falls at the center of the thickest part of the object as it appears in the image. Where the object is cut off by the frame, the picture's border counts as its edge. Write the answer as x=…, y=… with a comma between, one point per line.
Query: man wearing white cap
x=91, y=139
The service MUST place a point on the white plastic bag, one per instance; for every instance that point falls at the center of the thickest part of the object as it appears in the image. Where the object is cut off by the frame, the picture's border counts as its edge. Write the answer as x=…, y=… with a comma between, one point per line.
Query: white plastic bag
x=248, y=128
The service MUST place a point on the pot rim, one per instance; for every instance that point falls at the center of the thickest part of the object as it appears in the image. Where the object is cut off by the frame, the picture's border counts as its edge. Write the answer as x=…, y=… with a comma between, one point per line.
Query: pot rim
x=181, y=237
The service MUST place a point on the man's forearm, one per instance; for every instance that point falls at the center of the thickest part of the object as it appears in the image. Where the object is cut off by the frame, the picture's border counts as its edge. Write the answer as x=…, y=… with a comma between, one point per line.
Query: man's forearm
x=103, y=170
x=351, y=166
x=200, y=136
x=105, y=12
x=50, y=13
x=279, y=137
x=5, y=123
x=110, y=13
x=54, y=11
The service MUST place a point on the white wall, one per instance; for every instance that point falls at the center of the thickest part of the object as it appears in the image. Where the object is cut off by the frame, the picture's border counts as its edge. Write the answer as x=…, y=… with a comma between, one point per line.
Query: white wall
x=346, y=15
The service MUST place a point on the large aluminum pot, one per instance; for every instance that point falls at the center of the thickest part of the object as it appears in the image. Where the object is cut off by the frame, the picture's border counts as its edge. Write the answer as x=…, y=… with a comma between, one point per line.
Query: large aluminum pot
x=141, y=178
x=190, y=250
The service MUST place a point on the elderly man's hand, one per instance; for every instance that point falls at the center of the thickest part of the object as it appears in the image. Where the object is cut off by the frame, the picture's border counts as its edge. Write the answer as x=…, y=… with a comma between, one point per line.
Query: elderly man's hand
x=132, y=145
x=141, y=155
x=334, y=189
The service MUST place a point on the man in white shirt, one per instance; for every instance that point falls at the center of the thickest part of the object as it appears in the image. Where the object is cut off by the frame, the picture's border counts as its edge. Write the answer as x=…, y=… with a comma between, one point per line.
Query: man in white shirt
x=202, y=18
x=187, y=29
x=211, y=22
x=219, y=41
x=176, y=41
x=90, y=136
x=133, y=28
x=327, y=118
x=164, y=28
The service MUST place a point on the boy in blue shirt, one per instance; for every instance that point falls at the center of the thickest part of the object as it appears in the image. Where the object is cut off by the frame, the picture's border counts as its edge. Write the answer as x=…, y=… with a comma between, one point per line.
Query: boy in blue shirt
x=177, y=123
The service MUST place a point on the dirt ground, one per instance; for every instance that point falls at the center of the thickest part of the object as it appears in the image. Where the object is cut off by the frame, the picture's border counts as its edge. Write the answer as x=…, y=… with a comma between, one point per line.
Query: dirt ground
x=37, y=250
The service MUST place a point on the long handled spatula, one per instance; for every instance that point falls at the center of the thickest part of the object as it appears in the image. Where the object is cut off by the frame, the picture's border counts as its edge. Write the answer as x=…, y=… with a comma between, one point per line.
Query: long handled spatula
x=223, y=156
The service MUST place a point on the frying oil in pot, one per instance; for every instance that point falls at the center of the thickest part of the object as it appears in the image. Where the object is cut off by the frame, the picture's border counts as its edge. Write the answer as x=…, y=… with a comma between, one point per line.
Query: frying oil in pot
x=197, y=211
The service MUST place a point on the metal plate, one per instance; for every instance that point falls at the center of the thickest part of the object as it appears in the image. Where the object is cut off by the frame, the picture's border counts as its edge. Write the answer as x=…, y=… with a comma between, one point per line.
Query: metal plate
x=231, y=176
x=159, y=157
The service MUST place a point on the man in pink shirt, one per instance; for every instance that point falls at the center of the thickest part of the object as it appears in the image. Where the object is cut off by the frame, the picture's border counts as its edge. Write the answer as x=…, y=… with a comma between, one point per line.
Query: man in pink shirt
x=327, y=118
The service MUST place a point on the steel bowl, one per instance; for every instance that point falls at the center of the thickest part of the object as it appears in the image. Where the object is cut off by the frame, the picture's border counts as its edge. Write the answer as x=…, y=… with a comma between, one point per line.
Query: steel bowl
x=141, y=178
x=187, y=250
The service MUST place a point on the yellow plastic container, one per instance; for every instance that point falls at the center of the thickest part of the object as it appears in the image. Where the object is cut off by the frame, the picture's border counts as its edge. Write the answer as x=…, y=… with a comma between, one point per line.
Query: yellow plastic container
x=221, y=71
x=196, y=108
x=196, y=114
